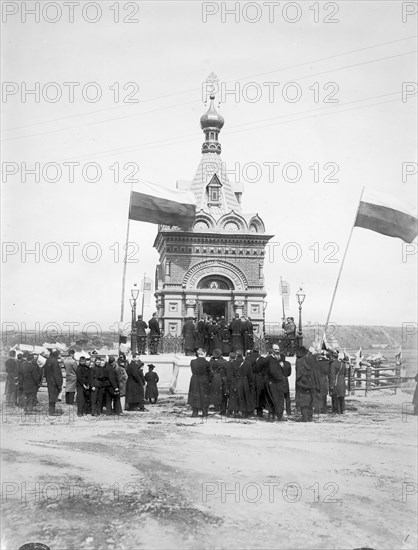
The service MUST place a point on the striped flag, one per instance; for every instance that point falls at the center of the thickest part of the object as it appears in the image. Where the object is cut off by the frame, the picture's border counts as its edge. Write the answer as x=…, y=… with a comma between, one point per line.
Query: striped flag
x=386, y=215
x=155, y=204
x=285, y=293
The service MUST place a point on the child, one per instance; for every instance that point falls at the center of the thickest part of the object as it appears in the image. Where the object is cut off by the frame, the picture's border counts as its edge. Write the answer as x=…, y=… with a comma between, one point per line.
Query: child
x=151, y=378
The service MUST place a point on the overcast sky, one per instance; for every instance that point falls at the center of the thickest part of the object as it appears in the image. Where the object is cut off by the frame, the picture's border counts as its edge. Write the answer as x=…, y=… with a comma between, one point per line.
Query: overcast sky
x=360, y=62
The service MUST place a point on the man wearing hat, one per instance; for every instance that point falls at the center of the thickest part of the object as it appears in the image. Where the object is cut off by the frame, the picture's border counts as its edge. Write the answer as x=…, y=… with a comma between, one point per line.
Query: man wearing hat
x=151, y=390
x=141, y=335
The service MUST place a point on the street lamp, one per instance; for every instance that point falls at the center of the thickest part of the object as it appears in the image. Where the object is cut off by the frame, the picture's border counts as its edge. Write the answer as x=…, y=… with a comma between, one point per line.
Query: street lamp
x=300, y=295
x=132, y=301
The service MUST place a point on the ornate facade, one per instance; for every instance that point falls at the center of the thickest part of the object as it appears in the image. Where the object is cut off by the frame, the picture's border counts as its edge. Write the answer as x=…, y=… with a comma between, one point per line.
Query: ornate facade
x=217, y=266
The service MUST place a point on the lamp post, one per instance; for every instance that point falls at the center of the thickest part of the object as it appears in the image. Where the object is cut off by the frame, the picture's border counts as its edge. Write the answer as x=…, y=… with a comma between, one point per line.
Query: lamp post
x=132, y=301
x=300, y=295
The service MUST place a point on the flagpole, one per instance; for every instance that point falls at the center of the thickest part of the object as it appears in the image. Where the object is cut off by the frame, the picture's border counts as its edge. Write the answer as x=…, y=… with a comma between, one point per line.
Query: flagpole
x=341, y=268
x=143, y=294
x=281, y=289
x=125, y=261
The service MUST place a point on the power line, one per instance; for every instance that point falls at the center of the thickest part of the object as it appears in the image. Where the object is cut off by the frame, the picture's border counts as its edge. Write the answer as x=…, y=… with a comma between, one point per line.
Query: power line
x=198, y=89
x=234, y=130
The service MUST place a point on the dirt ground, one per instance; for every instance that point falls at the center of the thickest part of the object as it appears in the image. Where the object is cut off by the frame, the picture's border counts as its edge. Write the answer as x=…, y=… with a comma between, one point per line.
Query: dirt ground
x=162, y=480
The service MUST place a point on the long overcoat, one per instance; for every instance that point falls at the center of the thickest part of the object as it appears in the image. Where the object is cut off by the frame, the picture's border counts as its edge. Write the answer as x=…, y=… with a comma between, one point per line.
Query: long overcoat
x=53, y=375
x=199, y=389
x=31, y=377
x=236, y=335
x=274, y=380
x=135, y=383
x=225, y=338
x=152, y=379
x=241, y=397
x=337, y=382
x=216, y=386
x=70, y=366
x=304, y=383
x=11, y=380
x=200, y=334
x=189, y=334
x=259, y=369
x=287, y=371
x=122, y=378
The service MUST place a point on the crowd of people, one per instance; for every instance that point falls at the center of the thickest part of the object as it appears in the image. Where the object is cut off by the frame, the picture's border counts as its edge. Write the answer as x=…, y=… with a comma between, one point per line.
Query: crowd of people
x=94, y=384
x=239, y=385
x=211, y=333
x=247, y=386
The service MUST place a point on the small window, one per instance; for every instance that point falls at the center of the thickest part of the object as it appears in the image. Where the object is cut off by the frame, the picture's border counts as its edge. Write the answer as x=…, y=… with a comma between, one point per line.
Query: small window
x=214, y=194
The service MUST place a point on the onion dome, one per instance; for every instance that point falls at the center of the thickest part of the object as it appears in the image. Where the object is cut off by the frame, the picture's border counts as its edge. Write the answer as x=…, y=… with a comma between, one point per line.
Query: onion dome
x=212, y=119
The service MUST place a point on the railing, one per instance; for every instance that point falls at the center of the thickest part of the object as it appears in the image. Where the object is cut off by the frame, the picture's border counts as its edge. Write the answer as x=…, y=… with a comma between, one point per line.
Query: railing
x=371, y=378
x=174, y=344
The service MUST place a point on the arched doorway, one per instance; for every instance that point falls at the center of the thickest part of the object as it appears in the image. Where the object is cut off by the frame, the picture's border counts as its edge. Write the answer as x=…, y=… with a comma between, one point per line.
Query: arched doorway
x=217, y=297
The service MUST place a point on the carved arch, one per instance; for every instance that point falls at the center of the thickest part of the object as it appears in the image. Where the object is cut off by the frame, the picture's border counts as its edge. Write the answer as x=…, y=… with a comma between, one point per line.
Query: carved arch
x=215, y=267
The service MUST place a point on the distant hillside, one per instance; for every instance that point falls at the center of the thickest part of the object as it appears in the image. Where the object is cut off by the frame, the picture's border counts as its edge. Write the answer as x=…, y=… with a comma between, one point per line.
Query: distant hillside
x=354, y=336
x=347, y=336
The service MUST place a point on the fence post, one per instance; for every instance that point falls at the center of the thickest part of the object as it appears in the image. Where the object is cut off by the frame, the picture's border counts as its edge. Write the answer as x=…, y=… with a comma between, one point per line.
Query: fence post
x=352, y=382
x=368, y=380
x=398, y=377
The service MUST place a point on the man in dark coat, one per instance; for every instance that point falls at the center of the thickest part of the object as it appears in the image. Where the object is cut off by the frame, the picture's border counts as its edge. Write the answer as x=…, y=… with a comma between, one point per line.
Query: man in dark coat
x=189, y=333
x=152, y=379
x=200, y=334
x=31, y=382
x=242, y=387
x=83, y=385
x=325, y=372
x=245, y=331
x=337, y=386
x=53, y=375
x=304, y=385
x=287, y=371
x=274, y=380
x=199, y=389
x=97, y=388
x=224, y=337
x=135, y=385
x=154, y=334
x=141, y=335
x=235, y=329
x=11, y=380
x=217, y=363
x=111, y=388
x=20, y=397
x=259, y=369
